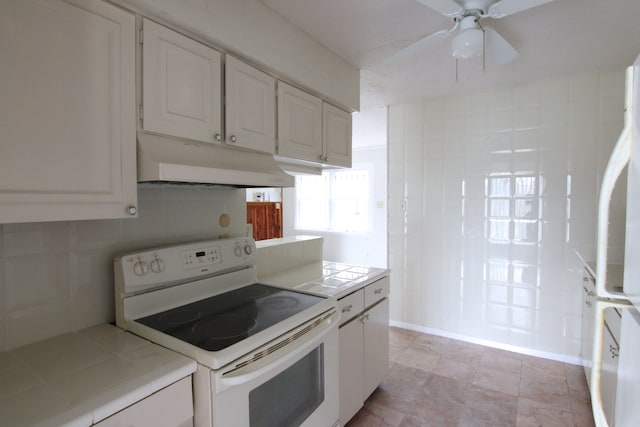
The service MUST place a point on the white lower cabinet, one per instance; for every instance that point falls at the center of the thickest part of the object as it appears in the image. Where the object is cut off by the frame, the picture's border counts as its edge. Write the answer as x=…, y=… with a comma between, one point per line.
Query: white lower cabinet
x=611, y=345
x=351, y=369
x=364, y=345
x=170, y=407
x=376, y=345
x=588, y=299
x=611, y=349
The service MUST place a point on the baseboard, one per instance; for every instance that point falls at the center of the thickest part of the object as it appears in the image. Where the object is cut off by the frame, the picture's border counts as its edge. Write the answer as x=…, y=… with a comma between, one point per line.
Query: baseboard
x=488, y=343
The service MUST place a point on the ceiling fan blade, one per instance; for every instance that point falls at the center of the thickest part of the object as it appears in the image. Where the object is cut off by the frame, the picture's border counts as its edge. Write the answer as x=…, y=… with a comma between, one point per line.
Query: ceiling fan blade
x=499, y=51
x=446, y=7
x=416, y=47
x=509, y=7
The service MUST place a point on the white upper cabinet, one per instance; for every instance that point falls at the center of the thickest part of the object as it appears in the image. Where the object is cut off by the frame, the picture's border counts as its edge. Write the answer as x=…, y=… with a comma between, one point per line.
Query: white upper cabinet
x=67, y=113
x=181, y=85
x=311, y=130
x=299, y=124
x=250, y=107
x=336, y=135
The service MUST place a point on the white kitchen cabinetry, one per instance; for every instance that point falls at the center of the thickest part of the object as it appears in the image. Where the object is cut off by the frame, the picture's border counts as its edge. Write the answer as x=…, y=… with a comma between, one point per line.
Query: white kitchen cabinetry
x=250, y=109
x=336, y=134
x=67, y=112
x=299, y=124
x=588, y=299
x=376, y=346
x=364, y=345
x=611, y=345
x=612, y=322
x=312, y=130
x=182, y=83
x=170, y=407
x=351, y=369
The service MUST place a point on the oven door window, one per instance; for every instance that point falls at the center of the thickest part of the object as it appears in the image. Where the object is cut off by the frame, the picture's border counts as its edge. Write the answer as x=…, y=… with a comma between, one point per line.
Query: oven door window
x=291, y=396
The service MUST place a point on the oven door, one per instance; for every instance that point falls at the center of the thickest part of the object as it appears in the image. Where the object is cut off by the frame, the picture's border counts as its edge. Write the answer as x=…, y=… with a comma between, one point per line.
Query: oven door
x=290, y=382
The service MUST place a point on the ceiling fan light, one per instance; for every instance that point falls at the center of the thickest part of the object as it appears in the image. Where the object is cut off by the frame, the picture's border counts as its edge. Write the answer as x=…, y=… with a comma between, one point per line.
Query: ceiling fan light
x=467, y=44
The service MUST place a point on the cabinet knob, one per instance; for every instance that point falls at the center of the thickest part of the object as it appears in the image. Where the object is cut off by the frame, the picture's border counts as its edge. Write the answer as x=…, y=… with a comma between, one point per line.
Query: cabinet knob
x=378, y=291
x=233, y=138
x=347, y=308
x=132, y=210
x=140, y=268
x=157, y=265
x=218, y=137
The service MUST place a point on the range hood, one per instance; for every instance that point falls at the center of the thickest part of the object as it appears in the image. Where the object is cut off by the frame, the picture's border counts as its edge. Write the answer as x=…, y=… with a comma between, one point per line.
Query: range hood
x=164, y=159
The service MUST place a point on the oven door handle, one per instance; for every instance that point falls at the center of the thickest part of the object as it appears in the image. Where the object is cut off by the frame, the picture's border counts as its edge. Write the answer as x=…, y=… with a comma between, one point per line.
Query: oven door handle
x=280, y=358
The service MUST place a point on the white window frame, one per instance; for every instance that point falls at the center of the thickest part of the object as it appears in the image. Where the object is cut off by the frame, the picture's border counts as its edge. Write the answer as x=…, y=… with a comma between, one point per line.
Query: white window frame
x=328, y=195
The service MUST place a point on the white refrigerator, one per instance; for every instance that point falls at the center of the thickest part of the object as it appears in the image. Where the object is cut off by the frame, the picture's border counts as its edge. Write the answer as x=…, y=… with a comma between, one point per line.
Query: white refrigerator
x=625, y=153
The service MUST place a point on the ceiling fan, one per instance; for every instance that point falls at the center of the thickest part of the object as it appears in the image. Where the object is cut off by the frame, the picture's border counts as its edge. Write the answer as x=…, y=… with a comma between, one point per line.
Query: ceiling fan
x=473, y=39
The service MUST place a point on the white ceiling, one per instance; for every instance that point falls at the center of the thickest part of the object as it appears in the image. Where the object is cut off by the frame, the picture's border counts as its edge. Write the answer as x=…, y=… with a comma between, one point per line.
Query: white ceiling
x=562, y=37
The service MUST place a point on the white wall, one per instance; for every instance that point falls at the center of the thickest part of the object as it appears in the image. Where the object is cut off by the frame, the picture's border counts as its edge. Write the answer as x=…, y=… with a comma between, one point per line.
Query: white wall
x=473, y=252
x=57, y=277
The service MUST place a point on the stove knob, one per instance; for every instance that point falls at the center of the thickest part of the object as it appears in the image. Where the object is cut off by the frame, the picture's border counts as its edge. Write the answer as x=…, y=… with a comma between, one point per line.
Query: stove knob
x=157, y=265
x=140, y=268
x=238, y=251
x=248, y=249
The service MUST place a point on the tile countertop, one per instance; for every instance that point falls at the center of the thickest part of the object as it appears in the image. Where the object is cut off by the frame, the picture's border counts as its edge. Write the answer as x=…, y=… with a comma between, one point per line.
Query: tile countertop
x=80, y=378
x=326, y=278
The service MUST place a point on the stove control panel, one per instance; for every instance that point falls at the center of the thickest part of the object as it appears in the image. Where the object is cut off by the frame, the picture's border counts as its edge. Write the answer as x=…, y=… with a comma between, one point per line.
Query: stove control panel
x=196, y=258
x=161, y=266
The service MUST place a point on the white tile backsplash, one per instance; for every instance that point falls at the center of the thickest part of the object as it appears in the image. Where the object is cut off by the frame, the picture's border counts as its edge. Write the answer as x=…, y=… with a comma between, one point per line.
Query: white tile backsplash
x=509, y=184
x=57, y=277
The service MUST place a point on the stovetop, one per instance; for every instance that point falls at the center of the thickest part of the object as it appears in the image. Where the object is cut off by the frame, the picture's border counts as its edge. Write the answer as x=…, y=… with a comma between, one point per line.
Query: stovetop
x=203, y=299
x=220, y=321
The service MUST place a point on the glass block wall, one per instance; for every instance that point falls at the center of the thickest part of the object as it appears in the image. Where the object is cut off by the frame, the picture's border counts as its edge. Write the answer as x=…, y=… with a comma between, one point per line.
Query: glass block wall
x=490, y=195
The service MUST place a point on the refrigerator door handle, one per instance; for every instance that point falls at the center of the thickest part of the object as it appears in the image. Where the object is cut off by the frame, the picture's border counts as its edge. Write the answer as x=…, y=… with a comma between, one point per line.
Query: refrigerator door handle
x=620, y=157
x=598, y=356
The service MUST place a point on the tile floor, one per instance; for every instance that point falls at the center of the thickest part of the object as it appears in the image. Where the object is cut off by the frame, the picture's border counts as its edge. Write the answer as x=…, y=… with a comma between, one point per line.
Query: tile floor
x=436, y=381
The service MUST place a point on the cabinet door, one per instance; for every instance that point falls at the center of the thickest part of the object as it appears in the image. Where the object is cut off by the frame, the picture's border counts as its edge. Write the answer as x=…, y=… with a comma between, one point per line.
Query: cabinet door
x=609, y=371
x=170, y=407
x=67, y=112
x=336, y=135
x=250, y=107
x=181, y=85
x=299, y=124
x=376, y=345
x=351, y=370
x=588, y=292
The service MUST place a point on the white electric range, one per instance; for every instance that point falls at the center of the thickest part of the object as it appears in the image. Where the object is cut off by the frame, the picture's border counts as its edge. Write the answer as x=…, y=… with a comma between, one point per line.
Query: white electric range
x=267, y=356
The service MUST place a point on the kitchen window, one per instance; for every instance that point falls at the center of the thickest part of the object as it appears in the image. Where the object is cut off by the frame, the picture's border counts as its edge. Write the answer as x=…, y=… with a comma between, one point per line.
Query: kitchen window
x=337, y=200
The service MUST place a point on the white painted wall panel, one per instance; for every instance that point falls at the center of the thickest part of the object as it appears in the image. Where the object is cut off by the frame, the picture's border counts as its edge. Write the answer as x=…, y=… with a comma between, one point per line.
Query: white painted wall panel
x=490, y=192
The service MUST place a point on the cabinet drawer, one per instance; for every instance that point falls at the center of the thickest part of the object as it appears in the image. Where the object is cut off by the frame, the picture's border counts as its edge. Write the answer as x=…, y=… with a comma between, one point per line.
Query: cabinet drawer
x=376, y=291
x=351, y=306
